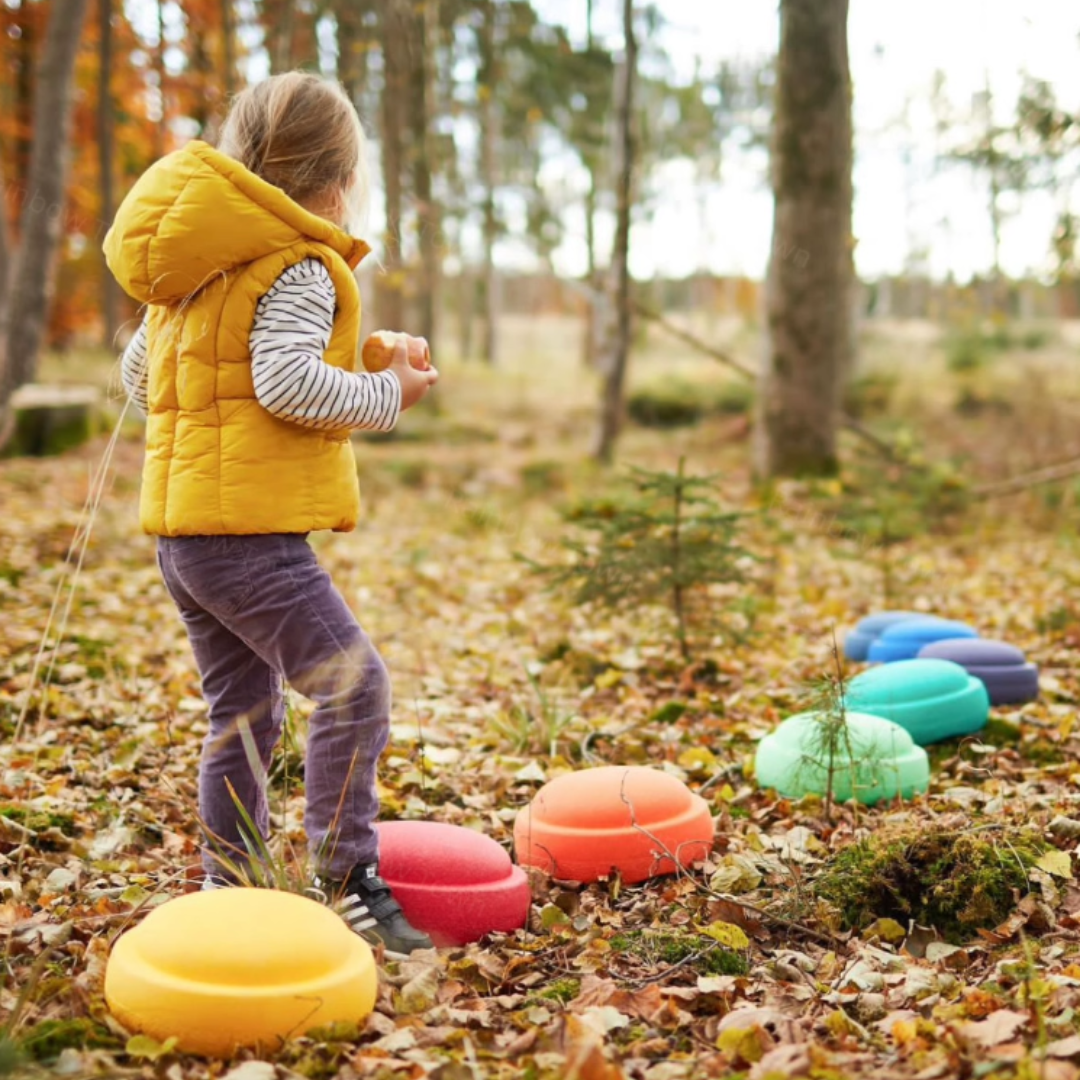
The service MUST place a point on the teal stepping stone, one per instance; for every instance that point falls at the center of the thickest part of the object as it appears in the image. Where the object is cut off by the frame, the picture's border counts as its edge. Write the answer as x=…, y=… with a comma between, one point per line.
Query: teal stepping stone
x=877, y=760
x=930, y=699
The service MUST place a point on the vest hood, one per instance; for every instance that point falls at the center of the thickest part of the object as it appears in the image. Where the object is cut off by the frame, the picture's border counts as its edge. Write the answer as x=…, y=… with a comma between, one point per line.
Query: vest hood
x=197, y=213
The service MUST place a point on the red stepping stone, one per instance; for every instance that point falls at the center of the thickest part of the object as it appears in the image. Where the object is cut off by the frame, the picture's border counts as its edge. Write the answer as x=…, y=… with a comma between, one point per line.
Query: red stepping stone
x=633, y=820
x=453, y=883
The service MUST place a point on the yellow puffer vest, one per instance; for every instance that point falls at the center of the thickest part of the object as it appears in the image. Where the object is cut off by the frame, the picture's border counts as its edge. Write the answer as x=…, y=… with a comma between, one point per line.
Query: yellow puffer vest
x=201, y=239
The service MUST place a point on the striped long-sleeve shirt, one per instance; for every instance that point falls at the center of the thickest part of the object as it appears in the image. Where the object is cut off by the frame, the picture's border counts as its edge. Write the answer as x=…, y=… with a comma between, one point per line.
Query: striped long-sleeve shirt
x=289, y=336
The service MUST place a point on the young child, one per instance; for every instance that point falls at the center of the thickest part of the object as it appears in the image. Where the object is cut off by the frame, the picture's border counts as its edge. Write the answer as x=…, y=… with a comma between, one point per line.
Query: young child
x=244, y=365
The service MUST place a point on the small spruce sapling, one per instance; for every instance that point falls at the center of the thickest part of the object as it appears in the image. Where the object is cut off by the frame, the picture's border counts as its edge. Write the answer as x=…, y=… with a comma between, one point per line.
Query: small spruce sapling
x=831, y=748
x=666, y=544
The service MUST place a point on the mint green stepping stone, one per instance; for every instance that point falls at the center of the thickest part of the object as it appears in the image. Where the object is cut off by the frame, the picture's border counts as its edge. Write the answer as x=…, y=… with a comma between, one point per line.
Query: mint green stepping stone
x=878, y=760
x=931, y=699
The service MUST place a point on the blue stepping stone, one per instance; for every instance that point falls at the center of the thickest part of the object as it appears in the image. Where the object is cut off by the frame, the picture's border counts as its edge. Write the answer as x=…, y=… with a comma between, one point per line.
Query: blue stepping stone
x=930, y=699
x=876, y=760
x=1008, y=676
x=903, y=640
x=857, y=643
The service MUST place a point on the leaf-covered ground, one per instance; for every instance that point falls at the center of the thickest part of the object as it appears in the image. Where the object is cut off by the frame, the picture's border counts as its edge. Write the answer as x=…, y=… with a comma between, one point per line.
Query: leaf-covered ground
x=500, y=686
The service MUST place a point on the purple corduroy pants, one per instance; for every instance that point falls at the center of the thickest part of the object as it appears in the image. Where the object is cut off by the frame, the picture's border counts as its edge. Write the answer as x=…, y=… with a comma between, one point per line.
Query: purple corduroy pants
x=260, y=609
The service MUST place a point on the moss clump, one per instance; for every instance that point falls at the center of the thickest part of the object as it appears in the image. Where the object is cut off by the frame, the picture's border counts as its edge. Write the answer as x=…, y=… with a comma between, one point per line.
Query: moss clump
x=659, y=947
x=954, y=882
x=39, y=820
x=561, y=990
x=45, y=1041
x=1000, y=732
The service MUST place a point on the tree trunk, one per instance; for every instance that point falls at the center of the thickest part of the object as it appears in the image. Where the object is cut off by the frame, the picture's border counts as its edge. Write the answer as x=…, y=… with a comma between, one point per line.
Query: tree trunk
x=611, y=405
x=159, y=66
x=427, y=212
x=488, y=119
x=42, y=212
x=280, y=22
x=109, y=292
x=390, y=302
x=808, y=285
x=466, y=303
x=593, y=311
x=352, y=65
x=228, y=47
x=25, y=49
x=7, y=381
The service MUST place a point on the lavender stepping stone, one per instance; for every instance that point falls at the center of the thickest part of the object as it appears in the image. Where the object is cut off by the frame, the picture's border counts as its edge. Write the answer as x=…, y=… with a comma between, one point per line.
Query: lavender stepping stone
x=1008, y=676
x=857, y=643
x=903, y=640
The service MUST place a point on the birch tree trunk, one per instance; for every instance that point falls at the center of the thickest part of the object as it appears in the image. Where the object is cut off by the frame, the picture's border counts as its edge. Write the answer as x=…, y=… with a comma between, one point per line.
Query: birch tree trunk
x=611, y=405
x=808, y=285
x=32, y=276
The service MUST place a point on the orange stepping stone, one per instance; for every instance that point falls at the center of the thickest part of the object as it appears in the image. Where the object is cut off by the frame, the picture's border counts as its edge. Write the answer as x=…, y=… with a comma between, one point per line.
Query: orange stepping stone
x=632, y=820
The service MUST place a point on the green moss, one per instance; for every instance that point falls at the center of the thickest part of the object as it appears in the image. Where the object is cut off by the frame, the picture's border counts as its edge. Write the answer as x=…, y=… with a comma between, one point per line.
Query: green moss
x=543, y=477
x=669, y=947
x=44, y=1041
x=11, y=1056
x=678, y=403
x=38, y=820
x=1000, y=732
x=954, y=882
x=41, y=432
x=561, y=990
x=1042, y=751
x=669, y=712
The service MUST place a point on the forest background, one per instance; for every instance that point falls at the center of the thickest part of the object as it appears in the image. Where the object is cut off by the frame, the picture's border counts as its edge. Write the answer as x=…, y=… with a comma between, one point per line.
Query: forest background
x=814, y=267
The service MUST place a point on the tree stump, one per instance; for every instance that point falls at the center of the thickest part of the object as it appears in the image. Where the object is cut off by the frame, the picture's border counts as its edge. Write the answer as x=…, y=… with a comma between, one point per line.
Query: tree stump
x=52, y=419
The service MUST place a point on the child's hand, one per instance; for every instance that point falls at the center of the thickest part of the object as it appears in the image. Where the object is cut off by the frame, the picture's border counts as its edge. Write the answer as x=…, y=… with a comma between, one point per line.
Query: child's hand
x=408, y=357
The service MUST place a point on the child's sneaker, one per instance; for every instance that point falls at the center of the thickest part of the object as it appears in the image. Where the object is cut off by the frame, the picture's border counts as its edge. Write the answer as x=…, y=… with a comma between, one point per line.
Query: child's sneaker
x=366, y=903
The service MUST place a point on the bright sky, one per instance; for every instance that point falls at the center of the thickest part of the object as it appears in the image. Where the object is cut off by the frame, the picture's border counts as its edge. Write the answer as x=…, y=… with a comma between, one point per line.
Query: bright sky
x=902, y=201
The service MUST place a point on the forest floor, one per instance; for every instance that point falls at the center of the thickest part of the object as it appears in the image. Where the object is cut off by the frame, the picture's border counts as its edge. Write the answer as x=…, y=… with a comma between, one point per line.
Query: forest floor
x=501, y=685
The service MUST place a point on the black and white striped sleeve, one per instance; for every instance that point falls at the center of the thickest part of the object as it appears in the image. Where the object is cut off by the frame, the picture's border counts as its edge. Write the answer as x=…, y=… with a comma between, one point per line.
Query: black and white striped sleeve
x=288, y=339
x=133, y=368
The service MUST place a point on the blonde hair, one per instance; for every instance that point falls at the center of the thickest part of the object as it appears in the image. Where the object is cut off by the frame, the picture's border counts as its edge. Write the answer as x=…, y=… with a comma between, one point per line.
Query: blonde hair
x=301, y=133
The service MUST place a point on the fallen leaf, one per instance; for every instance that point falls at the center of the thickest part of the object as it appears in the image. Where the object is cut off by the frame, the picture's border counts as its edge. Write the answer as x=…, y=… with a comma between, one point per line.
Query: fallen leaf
x=604, y=1018
x=144, y=1046
x=999, y=1027
x=252, y=1070
x=729, y=935
x=886, y=929
x=1055, y=862
x=787, y=1061
x=1064, y=1048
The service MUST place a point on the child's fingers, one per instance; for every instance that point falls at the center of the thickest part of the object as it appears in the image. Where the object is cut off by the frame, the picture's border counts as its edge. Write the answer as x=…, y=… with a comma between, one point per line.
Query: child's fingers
x=419, y=353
